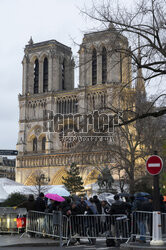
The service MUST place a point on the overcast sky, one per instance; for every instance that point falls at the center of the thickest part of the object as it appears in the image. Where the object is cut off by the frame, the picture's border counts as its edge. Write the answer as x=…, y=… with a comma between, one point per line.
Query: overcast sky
x=43, y=20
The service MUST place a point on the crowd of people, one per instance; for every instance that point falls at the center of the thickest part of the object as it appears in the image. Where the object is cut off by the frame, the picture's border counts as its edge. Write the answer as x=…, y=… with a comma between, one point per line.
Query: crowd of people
x=75, y=205
x=80, y=205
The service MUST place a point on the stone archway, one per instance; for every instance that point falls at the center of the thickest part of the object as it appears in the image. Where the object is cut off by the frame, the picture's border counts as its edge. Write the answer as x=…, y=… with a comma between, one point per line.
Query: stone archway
x=57, y=179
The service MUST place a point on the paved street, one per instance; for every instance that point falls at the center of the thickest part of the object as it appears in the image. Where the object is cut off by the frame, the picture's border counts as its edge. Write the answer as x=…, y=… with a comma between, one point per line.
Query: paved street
x=15, y=242
x=85, y=247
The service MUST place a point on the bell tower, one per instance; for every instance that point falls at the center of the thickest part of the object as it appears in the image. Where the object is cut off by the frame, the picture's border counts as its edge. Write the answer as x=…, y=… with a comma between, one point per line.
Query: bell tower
x=47, y=67
x=102, y=59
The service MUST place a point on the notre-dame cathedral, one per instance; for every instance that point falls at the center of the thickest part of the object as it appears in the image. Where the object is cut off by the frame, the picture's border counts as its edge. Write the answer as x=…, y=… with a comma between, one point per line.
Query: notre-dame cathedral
x=48, y=85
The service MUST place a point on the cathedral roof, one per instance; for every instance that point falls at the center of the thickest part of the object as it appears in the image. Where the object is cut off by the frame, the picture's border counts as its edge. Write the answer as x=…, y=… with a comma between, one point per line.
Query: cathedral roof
x=46, y=44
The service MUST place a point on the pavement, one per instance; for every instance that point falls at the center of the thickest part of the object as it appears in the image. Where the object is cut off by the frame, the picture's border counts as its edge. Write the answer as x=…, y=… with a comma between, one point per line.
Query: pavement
x=141, y=246
x=14, y=241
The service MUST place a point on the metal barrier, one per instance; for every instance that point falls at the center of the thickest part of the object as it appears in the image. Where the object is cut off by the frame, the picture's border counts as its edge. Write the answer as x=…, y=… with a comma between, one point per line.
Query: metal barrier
x=141, y=224
x=163, y=225
x=48, y=224
x=79, y=226
x=12, y=220
x=92, y=227
x=99, y=226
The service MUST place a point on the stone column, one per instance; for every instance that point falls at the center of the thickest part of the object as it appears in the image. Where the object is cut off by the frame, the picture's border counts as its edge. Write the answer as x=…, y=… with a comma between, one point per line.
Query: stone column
x=88, y=69
x=40, y=76
x=82, y=108
x=30, y=83
x=99, y=68
x=50, y=72
x=24, y=83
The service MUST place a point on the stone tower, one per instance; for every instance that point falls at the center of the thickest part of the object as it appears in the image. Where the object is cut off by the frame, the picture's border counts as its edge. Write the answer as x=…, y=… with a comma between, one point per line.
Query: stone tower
x=48, y=85
x=102, y=60
x=48, y=68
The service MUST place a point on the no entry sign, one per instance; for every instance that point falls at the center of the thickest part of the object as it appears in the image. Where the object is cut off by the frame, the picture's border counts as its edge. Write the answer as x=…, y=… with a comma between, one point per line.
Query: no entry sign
x=154, y=165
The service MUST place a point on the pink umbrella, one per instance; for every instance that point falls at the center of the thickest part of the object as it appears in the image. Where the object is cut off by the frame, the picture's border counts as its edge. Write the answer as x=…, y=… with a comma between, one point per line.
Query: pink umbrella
x=55, y=197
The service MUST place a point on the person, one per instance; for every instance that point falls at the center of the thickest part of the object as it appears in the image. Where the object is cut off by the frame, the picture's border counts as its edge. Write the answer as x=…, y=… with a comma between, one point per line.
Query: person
x=91, y=222
x=65, y=207
x=104, y=221
x=40, y=204
x=118, y=206
x=141, y=204
x=28, y=204
x=53, y=206
x=76, y=209
x=97, y=203
x=83, y=203
x=117, y=209
x=93, y=203
x=162, y=205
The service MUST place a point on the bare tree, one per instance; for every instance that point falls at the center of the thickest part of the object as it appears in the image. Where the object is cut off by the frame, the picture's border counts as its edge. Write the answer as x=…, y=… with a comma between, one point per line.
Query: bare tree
x=39, y=181
x=146, y=20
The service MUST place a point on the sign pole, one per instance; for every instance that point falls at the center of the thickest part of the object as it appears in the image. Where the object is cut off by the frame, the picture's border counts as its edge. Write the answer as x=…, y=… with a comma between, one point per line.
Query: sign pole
x=156, y=191
x=156, y=233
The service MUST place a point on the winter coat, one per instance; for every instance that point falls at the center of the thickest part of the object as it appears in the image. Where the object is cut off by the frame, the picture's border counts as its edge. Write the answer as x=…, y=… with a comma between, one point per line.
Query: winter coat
x=118, y=207
x=40, y=205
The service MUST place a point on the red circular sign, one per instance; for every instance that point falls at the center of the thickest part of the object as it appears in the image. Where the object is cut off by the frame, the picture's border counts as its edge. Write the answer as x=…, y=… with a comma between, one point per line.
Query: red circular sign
x=154, y=165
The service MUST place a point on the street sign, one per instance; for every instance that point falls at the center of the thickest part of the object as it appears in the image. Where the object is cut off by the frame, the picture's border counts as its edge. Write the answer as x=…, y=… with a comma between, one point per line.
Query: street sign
x=8, y=152
x=154, y=165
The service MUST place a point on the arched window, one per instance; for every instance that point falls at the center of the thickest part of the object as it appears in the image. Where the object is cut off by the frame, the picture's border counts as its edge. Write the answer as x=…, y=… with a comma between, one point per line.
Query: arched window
x=94, y=67
x=104, y=65
x=35, y=144
x=45, y=75
x=43, y=143
x=63, y=74
x=36, y=76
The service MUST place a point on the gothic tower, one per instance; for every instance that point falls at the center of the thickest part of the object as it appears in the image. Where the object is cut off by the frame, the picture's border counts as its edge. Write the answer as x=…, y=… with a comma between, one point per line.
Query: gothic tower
x=48, y=68
x=48, y=85
x=102, y=60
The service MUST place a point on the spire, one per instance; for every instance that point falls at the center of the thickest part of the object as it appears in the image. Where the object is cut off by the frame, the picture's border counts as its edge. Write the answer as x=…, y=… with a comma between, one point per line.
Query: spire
x=111, y=26
x=30, y=42
x=140, y=84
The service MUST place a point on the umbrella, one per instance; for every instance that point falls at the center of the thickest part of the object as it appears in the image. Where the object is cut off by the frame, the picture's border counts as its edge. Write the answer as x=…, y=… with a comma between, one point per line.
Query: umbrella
x=104, y=196
x=55, y=197
x=124, y=194
x=93, y=208
x=58, y=190
x=141, y=194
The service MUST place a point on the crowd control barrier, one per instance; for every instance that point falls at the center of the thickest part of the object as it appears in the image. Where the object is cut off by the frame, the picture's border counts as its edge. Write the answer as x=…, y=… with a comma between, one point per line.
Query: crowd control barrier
x=80, y=226
x=12, y=220
x=142, y=224
x=92, y=227
x=163, y=225
x=48, y=224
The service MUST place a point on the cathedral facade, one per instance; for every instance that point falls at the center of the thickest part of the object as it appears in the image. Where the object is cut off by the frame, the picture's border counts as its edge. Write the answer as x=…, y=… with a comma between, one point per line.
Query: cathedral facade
x=48, y=88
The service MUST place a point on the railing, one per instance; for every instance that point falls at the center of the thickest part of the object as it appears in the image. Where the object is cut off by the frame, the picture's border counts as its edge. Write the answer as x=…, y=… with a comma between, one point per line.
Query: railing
x=90, y=227
x=80, y=226
x=48, y=224
x=163, y=225
x=141, y=224
x=83, y=226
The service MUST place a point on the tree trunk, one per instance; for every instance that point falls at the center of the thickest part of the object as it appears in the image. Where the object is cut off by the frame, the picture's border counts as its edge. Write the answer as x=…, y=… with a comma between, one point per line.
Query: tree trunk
x=132, y=180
